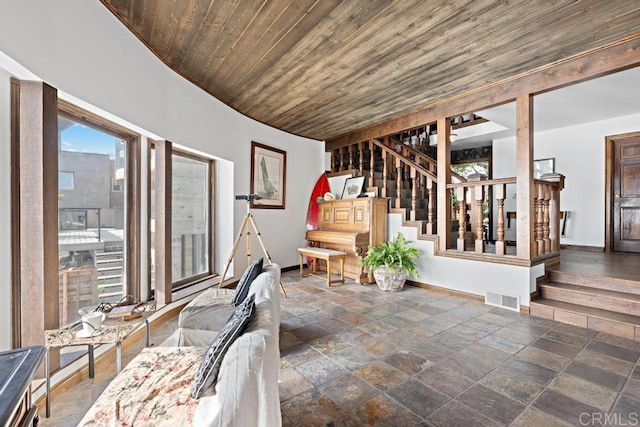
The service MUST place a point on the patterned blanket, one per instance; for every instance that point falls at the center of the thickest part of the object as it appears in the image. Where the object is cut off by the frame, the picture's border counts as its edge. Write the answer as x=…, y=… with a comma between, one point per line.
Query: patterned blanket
x=153, y=390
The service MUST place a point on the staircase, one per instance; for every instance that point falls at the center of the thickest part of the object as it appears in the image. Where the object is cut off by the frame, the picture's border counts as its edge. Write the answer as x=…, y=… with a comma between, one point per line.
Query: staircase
x=110, y=268
x=604, y=304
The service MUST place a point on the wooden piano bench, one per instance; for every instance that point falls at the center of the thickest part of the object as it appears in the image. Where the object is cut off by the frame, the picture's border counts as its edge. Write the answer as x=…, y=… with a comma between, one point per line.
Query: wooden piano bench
x=327, y=255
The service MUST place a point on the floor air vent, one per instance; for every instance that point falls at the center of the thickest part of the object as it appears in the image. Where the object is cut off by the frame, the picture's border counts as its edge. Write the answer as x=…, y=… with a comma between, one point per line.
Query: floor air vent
x=505, y=301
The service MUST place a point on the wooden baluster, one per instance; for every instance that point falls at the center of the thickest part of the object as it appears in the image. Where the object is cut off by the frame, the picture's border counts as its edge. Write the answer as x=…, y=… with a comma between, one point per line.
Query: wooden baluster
x=539, y=224
x=351, y=157
x=385, y=175
x=539, y=218
x=545, y=219
x=479, y=199
x=500, y=193
x=554, y=220
x=414, y=194
x=361, y=158
x=431, y=194
x=462, y=219
x=345, y=159
x=372, y=165
x=399, y=177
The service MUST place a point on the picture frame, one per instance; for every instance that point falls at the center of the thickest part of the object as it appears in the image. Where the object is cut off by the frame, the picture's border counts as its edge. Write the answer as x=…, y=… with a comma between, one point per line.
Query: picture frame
x=352, y=187
x=543, y=166
x=268, y=176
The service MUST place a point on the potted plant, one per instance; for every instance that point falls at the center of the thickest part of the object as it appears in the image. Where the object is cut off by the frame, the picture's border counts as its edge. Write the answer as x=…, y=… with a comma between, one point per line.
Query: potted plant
x=390, y=262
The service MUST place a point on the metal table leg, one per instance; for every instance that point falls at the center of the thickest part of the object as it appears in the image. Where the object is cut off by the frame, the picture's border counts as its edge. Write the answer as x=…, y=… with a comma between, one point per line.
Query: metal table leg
x=91, y=361
x=47, y=368
x=118, y=357
x=146, y=326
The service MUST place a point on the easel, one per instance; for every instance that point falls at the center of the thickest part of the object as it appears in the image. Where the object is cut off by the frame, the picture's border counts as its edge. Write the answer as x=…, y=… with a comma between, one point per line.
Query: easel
x=248, y=220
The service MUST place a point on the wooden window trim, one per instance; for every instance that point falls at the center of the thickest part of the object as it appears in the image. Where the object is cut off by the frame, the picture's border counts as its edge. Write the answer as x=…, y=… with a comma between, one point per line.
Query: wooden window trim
x=16, y=337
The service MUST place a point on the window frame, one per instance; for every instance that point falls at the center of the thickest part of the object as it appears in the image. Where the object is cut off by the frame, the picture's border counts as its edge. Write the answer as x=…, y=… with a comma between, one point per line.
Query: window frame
x=131, y=188
x=210, y=273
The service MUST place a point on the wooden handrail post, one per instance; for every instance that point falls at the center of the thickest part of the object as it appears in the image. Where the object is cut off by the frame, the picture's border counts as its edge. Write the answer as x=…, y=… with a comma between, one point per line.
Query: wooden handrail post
x=372, y=165
x=431, y=225
x=361, y=158
x=500, y=193
x=351, y=156
x=462, y=219
x=444, y=178
x=414, y=194
x=385, y=174
x=545, y=219
x=478, y=193
x=524, y=177
x=539, y=246
x=399, y=177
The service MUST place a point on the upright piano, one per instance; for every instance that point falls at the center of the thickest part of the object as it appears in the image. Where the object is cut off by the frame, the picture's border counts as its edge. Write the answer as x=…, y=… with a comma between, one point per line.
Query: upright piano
x=350, y=226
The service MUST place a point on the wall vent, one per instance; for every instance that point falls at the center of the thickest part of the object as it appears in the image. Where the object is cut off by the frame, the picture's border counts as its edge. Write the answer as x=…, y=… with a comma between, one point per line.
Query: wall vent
x=505, y=301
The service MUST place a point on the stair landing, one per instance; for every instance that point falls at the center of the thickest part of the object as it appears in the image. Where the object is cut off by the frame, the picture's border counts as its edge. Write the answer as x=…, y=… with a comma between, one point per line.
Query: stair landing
x=595, y=290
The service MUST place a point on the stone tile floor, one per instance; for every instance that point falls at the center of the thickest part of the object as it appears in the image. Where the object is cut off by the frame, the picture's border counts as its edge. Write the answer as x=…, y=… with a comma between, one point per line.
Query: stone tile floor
x=353, y=355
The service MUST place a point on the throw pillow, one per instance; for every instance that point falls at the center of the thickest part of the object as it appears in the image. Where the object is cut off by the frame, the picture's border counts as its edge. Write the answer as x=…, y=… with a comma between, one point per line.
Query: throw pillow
x=207, y=375
x=249, y=275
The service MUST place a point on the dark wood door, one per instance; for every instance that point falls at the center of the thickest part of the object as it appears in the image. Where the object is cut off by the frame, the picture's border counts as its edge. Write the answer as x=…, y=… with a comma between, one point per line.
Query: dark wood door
x=626, y=195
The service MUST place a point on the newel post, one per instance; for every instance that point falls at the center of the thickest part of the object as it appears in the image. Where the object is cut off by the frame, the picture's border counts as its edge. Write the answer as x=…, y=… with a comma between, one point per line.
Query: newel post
x=524, y=177
x=444, y=178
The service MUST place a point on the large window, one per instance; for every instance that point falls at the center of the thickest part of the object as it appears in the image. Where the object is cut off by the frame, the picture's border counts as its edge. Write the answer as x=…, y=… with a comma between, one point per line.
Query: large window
x=91, y=216
x=191, y=218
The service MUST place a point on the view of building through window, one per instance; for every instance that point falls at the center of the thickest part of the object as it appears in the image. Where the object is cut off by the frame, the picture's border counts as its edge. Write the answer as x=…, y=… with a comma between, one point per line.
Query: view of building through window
x=91, y=218
x=190, y=217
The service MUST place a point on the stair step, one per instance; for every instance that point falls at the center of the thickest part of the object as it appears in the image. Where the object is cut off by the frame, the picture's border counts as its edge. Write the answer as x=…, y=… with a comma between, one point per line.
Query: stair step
x=110, y=277
x=111, y=285
x=592, y=297
x=109, y=268
x=102, y=254
x=619, y=324
x=608, y=283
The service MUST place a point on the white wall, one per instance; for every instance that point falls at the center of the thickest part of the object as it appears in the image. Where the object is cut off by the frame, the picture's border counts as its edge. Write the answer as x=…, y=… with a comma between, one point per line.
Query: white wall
x=579, y=155
x=84, y=51
x=471, y=277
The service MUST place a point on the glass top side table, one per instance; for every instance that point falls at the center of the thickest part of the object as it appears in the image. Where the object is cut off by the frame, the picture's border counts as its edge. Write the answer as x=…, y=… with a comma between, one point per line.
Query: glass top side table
x=114, y=331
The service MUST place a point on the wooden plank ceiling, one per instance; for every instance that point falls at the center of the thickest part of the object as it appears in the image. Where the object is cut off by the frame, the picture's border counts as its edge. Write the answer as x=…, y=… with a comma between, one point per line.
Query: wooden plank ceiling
x=323, y=68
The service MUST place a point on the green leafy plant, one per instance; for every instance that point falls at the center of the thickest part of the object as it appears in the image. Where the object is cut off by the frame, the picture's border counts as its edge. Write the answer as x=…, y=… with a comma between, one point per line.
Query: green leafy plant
x=395, y=254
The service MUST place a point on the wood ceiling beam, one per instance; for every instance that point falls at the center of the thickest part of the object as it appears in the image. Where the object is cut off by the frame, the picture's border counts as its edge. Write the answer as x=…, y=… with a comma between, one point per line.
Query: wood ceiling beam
x=617, y=56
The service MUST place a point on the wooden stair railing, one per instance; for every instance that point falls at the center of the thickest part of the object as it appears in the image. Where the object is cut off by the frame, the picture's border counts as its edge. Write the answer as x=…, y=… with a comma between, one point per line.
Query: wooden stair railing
x=414, y=170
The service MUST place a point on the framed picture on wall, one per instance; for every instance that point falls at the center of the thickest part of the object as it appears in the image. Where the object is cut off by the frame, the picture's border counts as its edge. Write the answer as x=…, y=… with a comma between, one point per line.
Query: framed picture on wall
x=542, y=166
x=268, y=176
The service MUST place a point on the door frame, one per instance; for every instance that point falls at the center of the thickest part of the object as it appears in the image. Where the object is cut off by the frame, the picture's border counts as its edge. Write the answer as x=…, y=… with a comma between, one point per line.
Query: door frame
x=609, y=167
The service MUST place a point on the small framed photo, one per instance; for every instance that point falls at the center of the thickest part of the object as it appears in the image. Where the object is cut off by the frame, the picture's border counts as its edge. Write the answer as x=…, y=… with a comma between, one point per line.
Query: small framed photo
x=353, y=187
x=268, y=176
x=543, y=166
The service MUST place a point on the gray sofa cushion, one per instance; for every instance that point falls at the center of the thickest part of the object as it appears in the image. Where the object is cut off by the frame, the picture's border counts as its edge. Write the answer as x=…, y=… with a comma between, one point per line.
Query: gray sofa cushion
x=209, y=311
x=208, y=371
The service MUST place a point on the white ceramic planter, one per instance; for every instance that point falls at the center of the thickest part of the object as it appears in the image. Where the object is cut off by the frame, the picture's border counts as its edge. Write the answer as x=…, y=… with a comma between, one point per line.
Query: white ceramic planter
x=390, y=280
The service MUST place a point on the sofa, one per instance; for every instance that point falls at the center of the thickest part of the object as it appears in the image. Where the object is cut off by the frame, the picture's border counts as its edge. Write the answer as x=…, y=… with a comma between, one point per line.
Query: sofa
x=155, y=387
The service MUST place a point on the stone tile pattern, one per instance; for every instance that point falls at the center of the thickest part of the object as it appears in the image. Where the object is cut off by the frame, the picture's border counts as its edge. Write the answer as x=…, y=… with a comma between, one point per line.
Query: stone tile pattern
x=352, y=355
